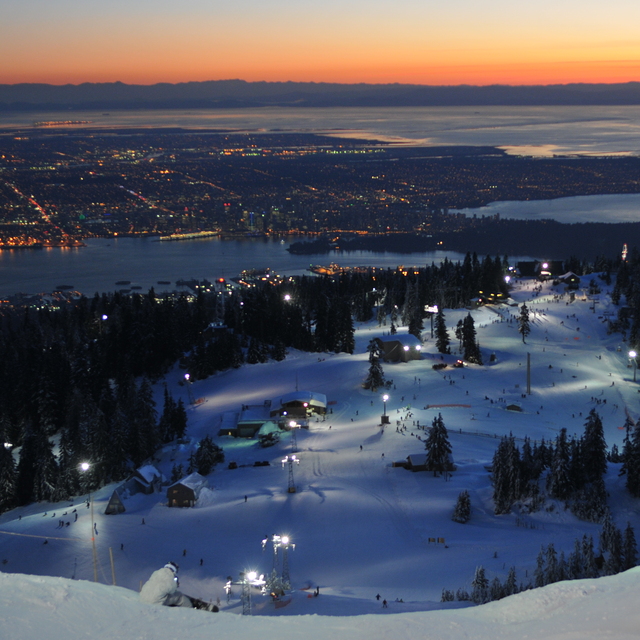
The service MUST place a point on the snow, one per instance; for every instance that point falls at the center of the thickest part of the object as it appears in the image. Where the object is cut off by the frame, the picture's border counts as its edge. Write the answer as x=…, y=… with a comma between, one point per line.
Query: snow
x=360, y=526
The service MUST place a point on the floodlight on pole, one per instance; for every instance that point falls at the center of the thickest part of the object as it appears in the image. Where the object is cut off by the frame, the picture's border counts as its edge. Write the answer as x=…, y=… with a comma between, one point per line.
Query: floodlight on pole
x=84, y=467
x=290, y=460
x=294, y=438
x=187, y=379
x=633, y=355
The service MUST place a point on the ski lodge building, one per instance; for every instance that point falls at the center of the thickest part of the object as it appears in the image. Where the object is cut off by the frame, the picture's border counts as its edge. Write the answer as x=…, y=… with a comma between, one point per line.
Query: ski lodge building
x=400, y=347
x=185, y=492
x=298, y=406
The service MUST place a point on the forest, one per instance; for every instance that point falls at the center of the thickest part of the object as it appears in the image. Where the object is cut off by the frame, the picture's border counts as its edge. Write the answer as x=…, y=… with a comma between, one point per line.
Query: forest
x=78, y=379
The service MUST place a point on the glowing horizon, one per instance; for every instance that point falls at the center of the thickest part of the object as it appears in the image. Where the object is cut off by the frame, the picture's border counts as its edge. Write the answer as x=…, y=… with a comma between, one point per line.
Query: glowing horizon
x=553, y=42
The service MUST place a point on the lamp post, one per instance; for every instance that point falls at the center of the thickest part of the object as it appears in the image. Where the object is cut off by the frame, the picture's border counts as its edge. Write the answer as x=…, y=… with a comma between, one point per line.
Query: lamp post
x=633, y=355
x=85, y=466
x=385, y=417
x=294, y=439
x=187, y=379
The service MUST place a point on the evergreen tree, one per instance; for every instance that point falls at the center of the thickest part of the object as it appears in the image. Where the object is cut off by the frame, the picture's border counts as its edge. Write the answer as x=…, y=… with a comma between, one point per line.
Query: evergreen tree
x=438, y=447
x=177, y=472
x=629, y=549
x=496, y=591
x=550, y=565
x=441, y=333
x=375, y=377
x=7, y=479
x=505, y=475
x=614, y=561
x=524, y=327
x=207, y=455
x=632, y=461
x=539, y=572
x=179, y=420
x=511, y=583
x=462, y=510
x=471, y=350
x=588, y=558
x=480, y=587
x=559, y=479
x=594, y=448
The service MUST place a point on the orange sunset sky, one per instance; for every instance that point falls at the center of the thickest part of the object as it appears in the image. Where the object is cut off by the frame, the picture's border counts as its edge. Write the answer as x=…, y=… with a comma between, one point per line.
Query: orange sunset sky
x=404, y=41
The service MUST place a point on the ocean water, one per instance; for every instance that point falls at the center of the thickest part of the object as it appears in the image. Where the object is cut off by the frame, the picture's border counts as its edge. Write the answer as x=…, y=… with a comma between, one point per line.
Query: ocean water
x=542, y=131
x=538, y=131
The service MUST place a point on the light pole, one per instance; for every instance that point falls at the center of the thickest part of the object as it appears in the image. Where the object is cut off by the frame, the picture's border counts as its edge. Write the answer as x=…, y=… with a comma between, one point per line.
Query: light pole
x=187, y=379
x=633, y=355
x=294, y=439
x=385, y=417
x=85, y=466
x=290, y=460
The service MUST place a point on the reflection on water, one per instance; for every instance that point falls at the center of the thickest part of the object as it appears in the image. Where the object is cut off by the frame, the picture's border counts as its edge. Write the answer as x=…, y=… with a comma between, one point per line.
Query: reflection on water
x=558, y=129
x=145, y=263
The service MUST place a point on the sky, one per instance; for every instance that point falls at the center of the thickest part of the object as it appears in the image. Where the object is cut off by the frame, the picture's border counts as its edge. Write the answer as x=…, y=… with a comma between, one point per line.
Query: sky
x=345, y=41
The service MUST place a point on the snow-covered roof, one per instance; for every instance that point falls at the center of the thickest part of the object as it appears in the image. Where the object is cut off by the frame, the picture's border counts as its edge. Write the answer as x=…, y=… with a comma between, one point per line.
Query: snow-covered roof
x=405, y=339
x=254, y=413
x=193, y=481
x=303, y=396
x=149, y=472
x=268, y=427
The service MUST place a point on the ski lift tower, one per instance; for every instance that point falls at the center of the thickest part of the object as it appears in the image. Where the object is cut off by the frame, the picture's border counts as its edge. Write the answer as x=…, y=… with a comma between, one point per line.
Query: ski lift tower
x=285, y=543
x=248, y=579
x=275, y=540
x=290, y=460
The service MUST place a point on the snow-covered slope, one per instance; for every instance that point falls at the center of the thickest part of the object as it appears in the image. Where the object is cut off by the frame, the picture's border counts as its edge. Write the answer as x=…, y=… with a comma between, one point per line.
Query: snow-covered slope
x=361, y=526
x=36, y=607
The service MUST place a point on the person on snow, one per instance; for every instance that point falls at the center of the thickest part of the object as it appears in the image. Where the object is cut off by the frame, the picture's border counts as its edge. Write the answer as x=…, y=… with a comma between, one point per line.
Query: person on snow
x=162, y=588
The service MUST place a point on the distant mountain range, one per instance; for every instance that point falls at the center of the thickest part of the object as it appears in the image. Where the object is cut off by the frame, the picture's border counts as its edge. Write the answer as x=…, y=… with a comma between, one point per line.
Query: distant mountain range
x=238, y=93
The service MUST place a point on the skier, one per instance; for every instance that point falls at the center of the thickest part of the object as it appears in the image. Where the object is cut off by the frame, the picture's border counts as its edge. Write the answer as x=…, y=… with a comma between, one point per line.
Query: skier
x=162, y=588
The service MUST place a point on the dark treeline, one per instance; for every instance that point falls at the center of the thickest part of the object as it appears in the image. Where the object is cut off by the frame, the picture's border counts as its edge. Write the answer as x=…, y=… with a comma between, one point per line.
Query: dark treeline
x=491, y=236
x=82, y=375
x=573, y=469
x=617, y=552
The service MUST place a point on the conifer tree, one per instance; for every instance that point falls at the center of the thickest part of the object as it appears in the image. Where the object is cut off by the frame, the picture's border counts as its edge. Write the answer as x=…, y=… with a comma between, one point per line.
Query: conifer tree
x=462, y=510
x=480, y=586
x=594, y=448
x=441, y=333
x=511, y=583
x=438, y=447
x=629, y=548
x=559, y=478
x=375, y=377
x=524, y=327
x=207, y=455
x=7, y=479
x=632, y=461
x=470, y=347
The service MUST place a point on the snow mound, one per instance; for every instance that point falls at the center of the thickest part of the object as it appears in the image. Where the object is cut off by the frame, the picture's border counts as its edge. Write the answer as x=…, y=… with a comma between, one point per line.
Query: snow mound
x=35, y=607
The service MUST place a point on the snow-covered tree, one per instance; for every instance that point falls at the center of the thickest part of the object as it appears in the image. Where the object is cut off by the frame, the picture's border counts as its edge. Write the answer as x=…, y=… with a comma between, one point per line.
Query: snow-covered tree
x=207, y=455
x=594, y=448
x=462, y=510
x=375, y=377
x=480, y=587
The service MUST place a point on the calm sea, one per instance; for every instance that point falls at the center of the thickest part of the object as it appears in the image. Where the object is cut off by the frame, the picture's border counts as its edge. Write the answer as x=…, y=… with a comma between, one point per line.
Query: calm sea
x=540, y=131
x=145, y=262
